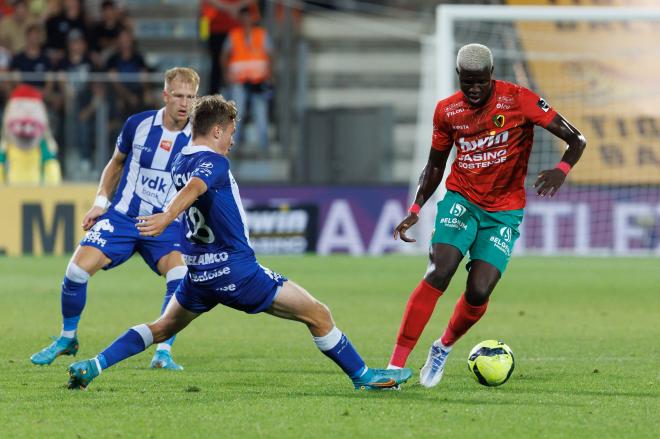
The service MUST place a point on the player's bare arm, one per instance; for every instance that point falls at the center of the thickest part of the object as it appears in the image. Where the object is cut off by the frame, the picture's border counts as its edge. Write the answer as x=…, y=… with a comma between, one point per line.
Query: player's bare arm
x=107, y=186
x=550, y=180
x=154, y=225
x=429, y=181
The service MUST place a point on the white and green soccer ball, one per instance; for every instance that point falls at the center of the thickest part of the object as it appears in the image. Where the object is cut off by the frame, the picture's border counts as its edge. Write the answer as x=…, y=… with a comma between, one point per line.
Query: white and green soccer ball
x=491, y=363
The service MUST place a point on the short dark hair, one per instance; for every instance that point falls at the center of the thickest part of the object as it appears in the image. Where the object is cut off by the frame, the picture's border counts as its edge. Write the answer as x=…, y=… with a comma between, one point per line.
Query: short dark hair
x=211, y=110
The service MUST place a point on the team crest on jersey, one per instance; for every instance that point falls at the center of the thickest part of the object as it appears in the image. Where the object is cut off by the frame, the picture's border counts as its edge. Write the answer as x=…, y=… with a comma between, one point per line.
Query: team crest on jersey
x=166, y=144
x=499, y=120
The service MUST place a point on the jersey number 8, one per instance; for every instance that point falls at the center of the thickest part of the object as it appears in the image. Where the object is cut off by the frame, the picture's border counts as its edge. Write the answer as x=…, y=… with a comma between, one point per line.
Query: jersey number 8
x=197, y=228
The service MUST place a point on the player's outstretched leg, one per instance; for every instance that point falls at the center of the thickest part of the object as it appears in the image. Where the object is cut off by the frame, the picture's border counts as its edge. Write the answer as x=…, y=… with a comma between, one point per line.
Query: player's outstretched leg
x=294, y=303
x=162, y=358
x=132, y=342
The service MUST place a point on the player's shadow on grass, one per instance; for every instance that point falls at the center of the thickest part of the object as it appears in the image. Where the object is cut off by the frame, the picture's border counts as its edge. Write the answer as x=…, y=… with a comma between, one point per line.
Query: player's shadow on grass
x=271, y=371
x=409, y=392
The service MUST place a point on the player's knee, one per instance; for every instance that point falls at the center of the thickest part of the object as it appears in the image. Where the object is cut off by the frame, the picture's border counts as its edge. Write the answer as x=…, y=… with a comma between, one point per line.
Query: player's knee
x=322, y=317
x=439, y=277
x=162, y=329
x=76, y=274
x=478, y=291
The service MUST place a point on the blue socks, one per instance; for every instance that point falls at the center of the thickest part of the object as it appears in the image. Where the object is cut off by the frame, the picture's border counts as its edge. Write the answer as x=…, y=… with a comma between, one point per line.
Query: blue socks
x=336, y=346
x=132, y=342
x=73, y=298
x=173, y=277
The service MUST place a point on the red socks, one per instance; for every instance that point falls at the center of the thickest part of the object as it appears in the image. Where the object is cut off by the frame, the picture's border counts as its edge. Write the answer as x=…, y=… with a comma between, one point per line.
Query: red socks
x=418, y=311
x=464, y=316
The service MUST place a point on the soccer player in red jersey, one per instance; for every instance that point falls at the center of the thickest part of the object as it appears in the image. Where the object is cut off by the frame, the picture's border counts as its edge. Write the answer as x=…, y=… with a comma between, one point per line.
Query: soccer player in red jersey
x=491, y=124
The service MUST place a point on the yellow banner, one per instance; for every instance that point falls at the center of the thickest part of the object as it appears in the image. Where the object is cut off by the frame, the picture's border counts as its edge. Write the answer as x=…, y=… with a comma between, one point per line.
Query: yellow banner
x=43, y=220
x=603, y=77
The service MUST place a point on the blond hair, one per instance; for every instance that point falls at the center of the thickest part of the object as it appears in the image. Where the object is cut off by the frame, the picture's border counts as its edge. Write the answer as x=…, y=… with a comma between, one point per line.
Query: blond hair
x=209, y=111
x=474, y=58
x=184, y=74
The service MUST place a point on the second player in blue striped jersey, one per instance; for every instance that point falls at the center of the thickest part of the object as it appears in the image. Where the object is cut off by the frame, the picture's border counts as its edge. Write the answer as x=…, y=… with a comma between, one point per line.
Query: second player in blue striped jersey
x=138, y=181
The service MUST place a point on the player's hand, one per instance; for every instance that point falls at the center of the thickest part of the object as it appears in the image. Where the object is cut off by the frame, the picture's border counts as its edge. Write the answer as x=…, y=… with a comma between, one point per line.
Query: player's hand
x=403, y=227
x=153, y=225
x=549, y=182
x=91, y=216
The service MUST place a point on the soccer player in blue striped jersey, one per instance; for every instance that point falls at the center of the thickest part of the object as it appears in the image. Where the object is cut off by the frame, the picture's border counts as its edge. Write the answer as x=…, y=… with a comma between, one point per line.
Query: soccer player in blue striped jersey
x=222, y=265
x=138, y=174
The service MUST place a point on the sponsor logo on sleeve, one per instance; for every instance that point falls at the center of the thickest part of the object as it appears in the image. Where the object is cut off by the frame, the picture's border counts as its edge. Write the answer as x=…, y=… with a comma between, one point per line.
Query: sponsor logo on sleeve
x=205, y=169
x=543, y=105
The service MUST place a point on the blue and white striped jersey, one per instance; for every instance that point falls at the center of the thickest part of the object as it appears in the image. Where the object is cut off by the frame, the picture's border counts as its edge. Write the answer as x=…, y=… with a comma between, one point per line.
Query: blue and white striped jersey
x=146, y=183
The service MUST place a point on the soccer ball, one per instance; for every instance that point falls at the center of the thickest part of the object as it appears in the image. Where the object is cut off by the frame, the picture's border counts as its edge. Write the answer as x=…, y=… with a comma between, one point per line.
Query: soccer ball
x=491, y=363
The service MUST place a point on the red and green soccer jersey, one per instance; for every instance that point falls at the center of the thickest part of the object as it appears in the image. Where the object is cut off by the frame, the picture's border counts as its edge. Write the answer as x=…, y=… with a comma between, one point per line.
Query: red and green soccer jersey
x=493, y=143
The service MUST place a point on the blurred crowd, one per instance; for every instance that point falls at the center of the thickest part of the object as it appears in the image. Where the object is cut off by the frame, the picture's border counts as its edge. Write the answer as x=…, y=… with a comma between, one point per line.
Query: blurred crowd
x=39, y=38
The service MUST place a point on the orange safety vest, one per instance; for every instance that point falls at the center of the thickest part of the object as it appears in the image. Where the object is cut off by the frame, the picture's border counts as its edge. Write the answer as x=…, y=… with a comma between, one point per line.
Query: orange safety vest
x=248, y=62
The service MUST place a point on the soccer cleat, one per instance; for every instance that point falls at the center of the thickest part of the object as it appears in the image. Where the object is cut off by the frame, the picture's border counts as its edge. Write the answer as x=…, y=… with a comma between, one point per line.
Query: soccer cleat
x=61, y=346
x=163, y=360
x=382, y=379
x=431, y=373
x=82, y=373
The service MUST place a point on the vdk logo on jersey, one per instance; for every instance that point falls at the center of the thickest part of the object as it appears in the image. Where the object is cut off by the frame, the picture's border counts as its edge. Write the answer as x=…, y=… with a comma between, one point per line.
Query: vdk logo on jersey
x=457, y=209
x=484, y=142
x=499, y=120
x=153, y=186
x=166, y=144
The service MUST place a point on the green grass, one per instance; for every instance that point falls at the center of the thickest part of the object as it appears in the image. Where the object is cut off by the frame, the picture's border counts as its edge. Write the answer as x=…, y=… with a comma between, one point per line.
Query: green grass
x=585, y=333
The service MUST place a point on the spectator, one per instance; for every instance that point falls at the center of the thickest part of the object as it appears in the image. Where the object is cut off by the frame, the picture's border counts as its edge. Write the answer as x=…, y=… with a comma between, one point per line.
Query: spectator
x=246, y=58
x=105, y=31
x=218, y=18
x=12, y=27
x=127, y=64
x=82, y=98
x=72, y=16
x=34, y=60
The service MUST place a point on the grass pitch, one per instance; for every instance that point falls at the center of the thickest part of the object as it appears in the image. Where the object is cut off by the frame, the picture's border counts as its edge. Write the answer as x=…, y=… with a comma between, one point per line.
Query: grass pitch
x=585, y=333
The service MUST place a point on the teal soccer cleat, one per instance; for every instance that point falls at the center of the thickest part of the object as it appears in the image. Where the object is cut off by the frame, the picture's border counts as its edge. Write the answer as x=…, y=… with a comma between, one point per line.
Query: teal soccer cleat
x=382, y=379
x=61, y=346
x=82, y=373
x=163, y=360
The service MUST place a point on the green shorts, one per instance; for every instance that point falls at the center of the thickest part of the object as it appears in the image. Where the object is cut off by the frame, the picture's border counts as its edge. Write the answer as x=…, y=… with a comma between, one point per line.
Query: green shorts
x=489, y=236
